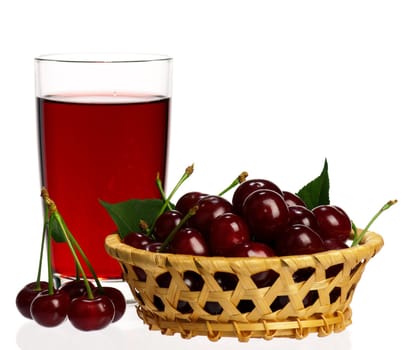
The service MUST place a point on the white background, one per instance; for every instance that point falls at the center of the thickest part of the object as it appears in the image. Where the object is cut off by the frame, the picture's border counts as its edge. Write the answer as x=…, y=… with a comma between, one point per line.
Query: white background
x=271, y=87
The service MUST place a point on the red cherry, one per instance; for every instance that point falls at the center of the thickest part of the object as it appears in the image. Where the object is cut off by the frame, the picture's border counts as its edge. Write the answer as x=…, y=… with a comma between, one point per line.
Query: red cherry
x=302, y=215
x=165, y=223
x=293, y=199
x=210, y=207
x=333, y=222
x=266, y=213
x=91, y=314
x=76, y=288
x=50, y=310
x=188, y=201
x=259, y=250
x=299, y=240
x=246, y=188
x=334, y=244
x=118, y=299
x=26, y=295
x=137, y=240
x=188, y=241
x=226, y=231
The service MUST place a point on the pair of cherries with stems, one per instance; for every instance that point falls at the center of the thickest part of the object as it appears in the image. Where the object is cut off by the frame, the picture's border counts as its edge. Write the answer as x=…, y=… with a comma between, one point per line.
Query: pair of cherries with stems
x=87, y=306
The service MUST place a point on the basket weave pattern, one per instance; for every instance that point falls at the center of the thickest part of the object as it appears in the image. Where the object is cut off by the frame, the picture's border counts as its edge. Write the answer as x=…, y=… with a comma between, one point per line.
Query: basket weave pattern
x=311, y=293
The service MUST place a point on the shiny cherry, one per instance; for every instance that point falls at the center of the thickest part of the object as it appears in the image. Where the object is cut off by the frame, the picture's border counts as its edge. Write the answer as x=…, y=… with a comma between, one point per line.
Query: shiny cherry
x=246, y=188
x=50, y=310
x=266, y=213
x=333, y=222
x=301, y=215
x=188, y=201
x=118, y=299
x=76, y=288
x=299, y=240
x=226, y=231
x=137, y=240
x=26, y=295
x=293, y=199
x=334, y=244
x=165, y=223
x=257, y=250
x=91, y=314
x=210, y=207
x=188, y=241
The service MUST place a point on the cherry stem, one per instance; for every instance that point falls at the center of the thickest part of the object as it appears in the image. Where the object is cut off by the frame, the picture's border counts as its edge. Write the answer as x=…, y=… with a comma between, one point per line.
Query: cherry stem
x=162, y=192
x=182, y=222
x=241, y=178
x=44, y=234
x=70, y=240
x=49, y=264
x=358, y=237
x=166, y=203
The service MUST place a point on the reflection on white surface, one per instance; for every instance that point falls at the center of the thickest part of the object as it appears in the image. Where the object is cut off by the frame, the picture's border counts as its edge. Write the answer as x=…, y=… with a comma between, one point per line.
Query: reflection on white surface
x=131, y=333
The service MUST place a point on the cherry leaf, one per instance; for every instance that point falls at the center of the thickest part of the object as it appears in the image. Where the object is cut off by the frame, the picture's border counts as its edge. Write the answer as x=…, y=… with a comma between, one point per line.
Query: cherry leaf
x=316, y=192
x=127, y=215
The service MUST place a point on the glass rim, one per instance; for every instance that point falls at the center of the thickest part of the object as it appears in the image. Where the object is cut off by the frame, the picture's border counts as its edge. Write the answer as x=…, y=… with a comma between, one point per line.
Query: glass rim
x=102, y=57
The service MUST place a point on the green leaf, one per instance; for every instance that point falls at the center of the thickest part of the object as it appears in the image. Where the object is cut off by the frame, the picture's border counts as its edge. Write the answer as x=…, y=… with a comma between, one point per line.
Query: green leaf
x=127, y=215
x=56, y=230
x=316, y=192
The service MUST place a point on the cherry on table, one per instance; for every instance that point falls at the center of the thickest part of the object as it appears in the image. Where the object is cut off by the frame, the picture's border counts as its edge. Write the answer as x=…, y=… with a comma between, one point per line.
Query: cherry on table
x=26, y=295
x=76, y=288
x=226, y=231
x=118, y=299
x=50, y=310
x=91, y=314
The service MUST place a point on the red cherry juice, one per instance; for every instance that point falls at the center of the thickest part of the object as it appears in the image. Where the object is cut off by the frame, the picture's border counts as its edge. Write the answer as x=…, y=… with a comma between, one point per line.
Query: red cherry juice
x=99, y=147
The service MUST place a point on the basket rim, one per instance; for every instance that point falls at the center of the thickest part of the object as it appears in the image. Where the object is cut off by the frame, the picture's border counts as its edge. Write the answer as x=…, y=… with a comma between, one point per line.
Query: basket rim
x=372, y=241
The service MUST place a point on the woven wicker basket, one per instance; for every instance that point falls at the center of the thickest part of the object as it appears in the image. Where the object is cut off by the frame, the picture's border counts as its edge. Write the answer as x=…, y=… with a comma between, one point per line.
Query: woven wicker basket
x=311, y=293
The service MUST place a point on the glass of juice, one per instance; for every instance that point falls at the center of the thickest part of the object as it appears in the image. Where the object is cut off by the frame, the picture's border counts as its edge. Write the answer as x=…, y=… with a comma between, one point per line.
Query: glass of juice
x=103, y=122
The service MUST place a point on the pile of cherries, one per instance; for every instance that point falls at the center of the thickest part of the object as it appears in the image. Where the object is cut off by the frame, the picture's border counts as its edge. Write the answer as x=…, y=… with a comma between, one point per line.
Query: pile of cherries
x=87, y=306
x=71, y=301
x=260, y=221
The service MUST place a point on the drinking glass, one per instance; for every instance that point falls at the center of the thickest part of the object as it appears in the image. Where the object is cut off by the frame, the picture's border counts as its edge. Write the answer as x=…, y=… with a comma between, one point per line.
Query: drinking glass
x=103, y=122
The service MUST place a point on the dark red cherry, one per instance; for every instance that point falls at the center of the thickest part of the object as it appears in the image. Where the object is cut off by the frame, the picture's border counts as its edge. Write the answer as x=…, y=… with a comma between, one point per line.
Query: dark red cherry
x=117, y=298
x=334, y=244
x=165, y=223
x=188, y=241
x=188, y=201
x=293, y=199
x=26, y=295
x=153, y=247
x=333, y=222
x=137, y=240
x=50, y=310
x=226, y=231
x=76, y=288
x=210, y=207
x=258, y=250
x=299, y=240
x=266, y=213
x=246, y=188
x=91, y=314
x=302, y=215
